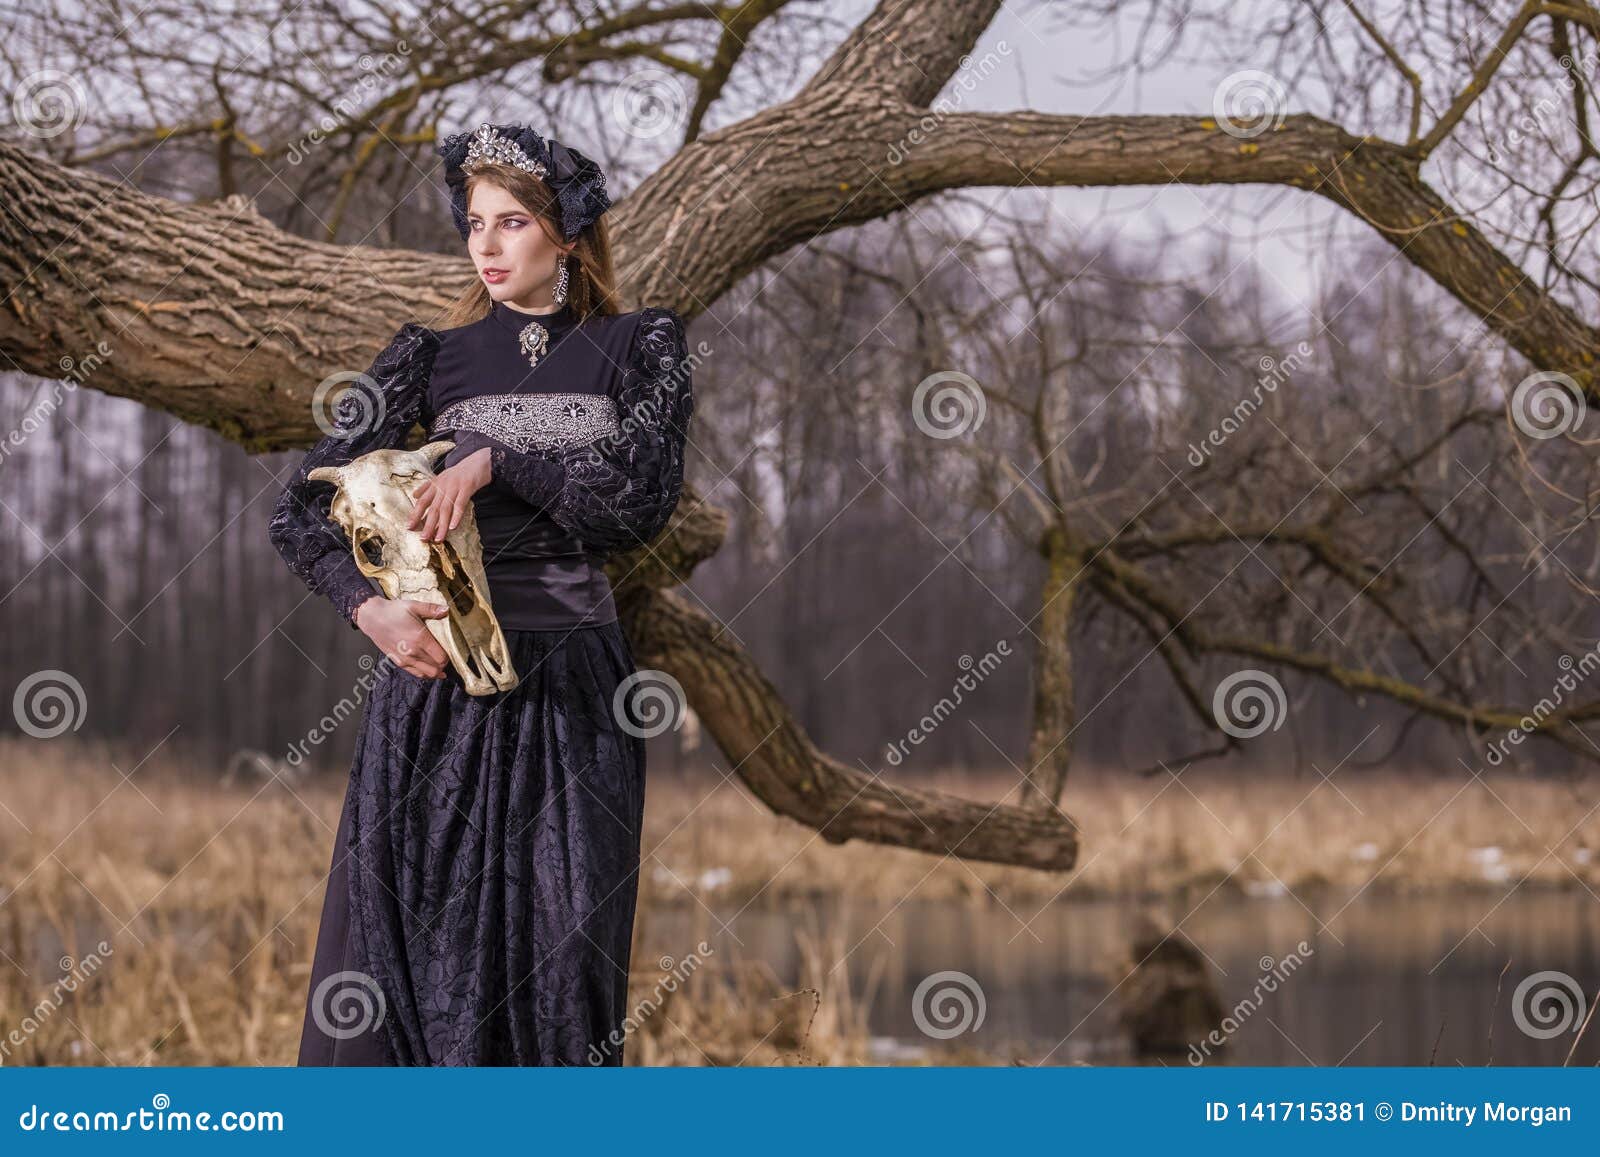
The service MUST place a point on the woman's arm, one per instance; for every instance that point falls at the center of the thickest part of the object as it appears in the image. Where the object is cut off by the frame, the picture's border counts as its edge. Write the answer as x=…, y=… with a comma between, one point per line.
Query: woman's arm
x=618, y=492
x=368, y=417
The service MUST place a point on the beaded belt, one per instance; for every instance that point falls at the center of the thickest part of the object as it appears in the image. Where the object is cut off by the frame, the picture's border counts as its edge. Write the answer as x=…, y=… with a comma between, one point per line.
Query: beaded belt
x=528, y=421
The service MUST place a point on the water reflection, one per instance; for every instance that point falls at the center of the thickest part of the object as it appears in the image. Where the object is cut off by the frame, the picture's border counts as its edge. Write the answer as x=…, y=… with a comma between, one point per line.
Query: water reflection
x=1386, y=980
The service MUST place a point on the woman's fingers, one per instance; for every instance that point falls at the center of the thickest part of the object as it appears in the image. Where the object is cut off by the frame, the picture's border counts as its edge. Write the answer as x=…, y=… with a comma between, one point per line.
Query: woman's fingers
x=438, y=506
x=437, y=513
x=424, y=646
x=415, y=664
x=403, y=658
x=442, y=513
x=420, y=504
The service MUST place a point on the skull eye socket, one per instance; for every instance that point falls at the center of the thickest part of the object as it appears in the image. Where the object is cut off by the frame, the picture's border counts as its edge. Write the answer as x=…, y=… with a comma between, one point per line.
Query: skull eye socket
x=371, y=547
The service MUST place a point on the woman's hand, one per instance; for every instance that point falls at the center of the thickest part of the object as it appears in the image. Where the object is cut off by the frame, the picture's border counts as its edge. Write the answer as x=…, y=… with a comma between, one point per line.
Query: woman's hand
x=396, y=626
x=440, y=501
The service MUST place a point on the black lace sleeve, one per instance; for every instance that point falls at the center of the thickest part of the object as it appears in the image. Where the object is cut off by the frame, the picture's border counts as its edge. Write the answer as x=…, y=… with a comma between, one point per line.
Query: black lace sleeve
x=373, y=413
x=618, y=492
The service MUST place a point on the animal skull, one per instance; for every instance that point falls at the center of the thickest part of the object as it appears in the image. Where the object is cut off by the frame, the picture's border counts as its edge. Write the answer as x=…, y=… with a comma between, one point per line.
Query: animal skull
x=373, y=504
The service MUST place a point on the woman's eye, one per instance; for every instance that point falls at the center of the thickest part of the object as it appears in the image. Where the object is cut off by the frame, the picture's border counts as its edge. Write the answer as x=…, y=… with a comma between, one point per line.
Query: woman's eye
x=514, y=223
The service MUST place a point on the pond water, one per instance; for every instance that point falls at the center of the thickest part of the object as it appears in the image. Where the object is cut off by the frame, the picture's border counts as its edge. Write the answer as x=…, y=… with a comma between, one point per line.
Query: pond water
x=1383, y=979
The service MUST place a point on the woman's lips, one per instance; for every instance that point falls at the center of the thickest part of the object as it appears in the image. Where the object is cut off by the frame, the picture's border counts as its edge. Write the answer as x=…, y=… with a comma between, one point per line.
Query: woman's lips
x=496, y=276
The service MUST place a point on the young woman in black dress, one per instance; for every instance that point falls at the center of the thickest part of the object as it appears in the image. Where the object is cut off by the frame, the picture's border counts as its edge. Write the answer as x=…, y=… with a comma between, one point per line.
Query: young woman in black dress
x=481, y=899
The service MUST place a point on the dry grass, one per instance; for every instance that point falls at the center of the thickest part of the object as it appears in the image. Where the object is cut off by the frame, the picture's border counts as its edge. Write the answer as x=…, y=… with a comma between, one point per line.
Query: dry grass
x=208, y=897
x=1385, y=831
x=207, y=900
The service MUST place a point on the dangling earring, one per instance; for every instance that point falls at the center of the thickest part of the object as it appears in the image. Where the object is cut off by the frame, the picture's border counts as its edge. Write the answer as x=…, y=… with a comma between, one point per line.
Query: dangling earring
x=559, y=293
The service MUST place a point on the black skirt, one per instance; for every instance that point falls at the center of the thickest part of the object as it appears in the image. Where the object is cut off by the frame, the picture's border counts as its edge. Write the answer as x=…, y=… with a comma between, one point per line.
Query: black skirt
x=481, y=898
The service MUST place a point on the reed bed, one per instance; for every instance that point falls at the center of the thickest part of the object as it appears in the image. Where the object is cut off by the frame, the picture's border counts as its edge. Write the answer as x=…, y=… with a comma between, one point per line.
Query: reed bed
x=151, y=916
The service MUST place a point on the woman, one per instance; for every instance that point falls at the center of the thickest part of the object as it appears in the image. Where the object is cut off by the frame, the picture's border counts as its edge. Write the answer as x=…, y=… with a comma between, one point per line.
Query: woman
x=481, y=899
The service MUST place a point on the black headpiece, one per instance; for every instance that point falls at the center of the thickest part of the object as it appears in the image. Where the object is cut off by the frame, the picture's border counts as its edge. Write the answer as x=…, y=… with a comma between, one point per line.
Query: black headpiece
x=578, y=183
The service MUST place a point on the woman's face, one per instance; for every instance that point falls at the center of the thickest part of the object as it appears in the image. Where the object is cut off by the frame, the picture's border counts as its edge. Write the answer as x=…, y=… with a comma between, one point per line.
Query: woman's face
x=516, y=258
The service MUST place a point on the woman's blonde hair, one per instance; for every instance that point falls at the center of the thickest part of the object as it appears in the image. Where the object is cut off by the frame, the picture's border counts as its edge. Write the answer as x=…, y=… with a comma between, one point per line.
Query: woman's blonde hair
x=591, y=283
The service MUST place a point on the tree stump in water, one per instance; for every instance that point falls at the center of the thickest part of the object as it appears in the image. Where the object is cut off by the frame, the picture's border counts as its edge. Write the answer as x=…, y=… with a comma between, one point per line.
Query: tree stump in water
x=1169, y=999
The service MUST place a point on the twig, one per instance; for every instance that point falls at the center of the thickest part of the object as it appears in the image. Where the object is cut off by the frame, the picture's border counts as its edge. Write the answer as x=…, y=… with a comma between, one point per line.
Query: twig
x=1498, y=984
x=1570, y=1052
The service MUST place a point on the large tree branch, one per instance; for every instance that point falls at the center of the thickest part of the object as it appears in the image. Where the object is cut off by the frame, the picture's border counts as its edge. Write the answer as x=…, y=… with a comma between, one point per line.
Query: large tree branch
x=909, y=48
x=780, y=764
x=225, y=321
x=747, y=193
x=216, y=316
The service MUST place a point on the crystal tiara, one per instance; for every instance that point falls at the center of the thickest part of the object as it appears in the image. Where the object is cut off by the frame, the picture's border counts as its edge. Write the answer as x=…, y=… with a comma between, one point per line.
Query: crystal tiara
x=489, y=147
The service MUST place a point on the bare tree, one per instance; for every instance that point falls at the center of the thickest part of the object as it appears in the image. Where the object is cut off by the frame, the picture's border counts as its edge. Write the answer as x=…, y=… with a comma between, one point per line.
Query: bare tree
x=215, y=314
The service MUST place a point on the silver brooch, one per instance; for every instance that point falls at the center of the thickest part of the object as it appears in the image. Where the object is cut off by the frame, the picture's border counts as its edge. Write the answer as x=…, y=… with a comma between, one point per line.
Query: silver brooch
x=534, y=340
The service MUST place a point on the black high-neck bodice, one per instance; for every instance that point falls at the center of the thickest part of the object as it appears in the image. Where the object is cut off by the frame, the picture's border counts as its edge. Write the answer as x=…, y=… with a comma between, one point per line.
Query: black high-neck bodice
x=586, y=453
x=540, y=577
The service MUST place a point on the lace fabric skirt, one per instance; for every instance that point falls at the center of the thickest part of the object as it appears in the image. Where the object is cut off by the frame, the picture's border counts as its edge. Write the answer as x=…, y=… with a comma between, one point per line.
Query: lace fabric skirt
x=481, y=897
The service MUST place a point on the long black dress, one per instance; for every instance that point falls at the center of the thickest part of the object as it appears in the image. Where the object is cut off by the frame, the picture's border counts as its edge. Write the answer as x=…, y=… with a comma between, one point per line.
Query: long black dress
x=481, y=896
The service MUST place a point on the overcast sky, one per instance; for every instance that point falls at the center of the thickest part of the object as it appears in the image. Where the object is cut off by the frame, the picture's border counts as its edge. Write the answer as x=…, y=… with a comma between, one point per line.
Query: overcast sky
x=1282, y=233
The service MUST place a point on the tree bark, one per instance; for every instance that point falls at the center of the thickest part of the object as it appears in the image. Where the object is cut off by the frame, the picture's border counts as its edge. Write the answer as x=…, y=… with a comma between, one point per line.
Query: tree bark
x=211, y=313
x=1054, y=708
x=771, y=754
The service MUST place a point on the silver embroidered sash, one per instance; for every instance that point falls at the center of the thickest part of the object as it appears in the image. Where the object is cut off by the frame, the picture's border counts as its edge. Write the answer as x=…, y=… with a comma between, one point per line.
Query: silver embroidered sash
x=528, y=421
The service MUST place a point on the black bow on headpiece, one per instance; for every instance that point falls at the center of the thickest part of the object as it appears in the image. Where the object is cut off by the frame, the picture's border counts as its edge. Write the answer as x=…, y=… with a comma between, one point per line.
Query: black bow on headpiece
x=578, y=183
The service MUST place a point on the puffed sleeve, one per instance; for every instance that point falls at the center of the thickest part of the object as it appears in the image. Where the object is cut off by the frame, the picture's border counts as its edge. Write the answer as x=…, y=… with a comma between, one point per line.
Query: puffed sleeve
x=616, y=493
x=370, y=414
